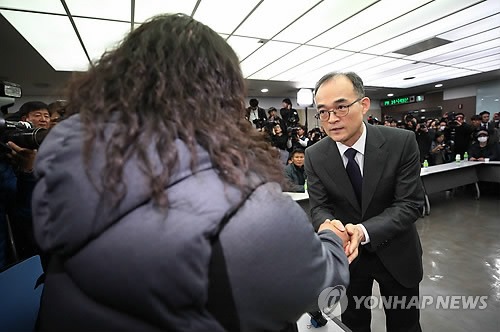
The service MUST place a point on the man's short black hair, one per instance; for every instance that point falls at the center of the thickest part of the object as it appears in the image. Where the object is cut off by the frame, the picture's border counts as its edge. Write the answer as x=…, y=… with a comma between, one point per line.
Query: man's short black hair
x=296, y=150
x=31, y=106
x=287, y=101
x=254, y=102
x=356, y=81
x=484, y=112
x=475, y=118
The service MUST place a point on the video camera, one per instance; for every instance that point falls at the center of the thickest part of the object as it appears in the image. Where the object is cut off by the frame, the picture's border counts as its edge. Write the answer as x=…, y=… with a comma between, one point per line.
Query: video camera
x=21, y=133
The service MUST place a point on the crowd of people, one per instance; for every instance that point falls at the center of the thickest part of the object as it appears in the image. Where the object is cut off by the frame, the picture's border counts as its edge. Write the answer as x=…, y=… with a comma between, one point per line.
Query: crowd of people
x=439, y=140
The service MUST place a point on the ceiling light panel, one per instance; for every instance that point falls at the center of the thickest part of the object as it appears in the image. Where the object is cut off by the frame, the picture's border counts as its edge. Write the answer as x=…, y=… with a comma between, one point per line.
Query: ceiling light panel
x=263, y=22
x=407, y=70
x=348, y=62
x=472, y=56
x=292, y=59
x=431, y=79
x=107, y=9
x=62, y=50
x=477, y=64
x=243, y=46
x=425, y=31
x=464, y=51
x=377, y=61
x=383, y=11
x=476, y=39
x=412, y=20
x=265, y=55
x=96, y=42
x=489, y=68
x=308, y=66
x=320, y=18
x=337, y=66
x=224, y=15
x=479, y=60
x=380, y=70
x=145, y=9
x=472, y=28
x=46, y=6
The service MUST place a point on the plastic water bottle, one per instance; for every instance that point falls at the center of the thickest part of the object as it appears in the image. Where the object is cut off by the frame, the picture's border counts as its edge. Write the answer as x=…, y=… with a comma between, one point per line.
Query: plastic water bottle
x=426, y=163
x=466, y=156
x=457, y=158
x=305, y=185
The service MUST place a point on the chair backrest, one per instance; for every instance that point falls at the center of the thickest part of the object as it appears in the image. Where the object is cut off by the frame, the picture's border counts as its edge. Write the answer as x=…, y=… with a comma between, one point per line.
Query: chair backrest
x=19, y=300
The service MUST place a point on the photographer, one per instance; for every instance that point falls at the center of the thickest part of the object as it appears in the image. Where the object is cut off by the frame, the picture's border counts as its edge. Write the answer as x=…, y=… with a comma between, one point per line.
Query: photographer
x=297, y=138
x=440, y=152
x=424, y=140
x=314, y=136
x=256, y=115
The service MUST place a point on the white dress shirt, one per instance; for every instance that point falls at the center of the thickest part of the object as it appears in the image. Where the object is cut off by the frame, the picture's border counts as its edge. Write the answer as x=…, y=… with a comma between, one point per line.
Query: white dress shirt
x=359, y=146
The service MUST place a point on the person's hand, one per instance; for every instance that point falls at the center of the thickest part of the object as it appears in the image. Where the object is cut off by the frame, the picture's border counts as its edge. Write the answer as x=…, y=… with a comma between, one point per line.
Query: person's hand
x=24, y=158
x=480, y=159
x=356, y=236
x=472, y=159
x=338, y=228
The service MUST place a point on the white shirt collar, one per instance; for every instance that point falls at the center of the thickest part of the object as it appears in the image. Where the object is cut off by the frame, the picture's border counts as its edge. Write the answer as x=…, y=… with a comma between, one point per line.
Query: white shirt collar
x=358, y=146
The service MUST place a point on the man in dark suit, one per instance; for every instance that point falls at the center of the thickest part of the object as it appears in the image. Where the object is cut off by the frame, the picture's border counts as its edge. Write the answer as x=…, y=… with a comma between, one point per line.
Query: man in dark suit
x=368, y=177
x=255, y=114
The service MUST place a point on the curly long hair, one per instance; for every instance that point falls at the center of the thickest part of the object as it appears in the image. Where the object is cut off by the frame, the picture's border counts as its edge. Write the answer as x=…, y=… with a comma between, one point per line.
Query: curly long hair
x=171, y=78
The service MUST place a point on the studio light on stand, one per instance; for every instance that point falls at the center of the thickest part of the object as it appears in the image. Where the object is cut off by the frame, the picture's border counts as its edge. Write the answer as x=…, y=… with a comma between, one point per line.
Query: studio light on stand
x=305, y=98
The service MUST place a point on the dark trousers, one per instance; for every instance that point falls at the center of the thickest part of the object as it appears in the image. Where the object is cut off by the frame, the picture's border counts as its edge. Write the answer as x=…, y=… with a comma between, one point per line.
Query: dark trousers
x=403, y=317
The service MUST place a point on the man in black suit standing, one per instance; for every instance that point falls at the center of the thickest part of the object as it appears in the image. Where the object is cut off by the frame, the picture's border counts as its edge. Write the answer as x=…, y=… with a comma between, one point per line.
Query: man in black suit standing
x=368, y=177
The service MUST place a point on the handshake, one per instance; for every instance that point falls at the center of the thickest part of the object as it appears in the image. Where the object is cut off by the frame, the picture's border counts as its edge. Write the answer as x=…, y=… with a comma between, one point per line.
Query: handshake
x=351, y=235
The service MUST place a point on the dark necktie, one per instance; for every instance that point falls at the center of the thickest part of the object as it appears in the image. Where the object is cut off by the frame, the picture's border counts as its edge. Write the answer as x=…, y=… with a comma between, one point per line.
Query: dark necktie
x=354, y=173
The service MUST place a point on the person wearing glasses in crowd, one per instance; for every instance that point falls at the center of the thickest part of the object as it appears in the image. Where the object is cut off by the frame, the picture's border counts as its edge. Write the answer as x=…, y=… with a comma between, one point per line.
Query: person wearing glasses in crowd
x=368, y=177
x=160, y=207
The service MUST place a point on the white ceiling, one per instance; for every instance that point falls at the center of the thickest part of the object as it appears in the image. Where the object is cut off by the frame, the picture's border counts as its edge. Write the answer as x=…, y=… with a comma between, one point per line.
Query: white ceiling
x=285, y=40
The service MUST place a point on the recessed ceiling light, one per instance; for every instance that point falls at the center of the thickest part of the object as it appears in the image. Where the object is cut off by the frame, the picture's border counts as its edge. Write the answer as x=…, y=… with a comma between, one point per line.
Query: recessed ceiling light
x=264, y=90
x=390, y=94
x=496, y=99
x=438, y=85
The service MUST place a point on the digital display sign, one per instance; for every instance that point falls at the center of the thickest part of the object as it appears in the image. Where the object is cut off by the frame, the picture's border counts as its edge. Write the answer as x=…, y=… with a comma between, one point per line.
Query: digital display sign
x=398, y=101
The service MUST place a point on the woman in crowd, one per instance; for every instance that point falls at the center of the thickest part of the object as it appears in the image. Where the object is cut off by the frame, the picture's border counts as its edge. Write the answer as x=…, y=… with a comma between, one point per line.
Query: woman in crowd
x=482, y=149
x=439, y=152
x=136, y=185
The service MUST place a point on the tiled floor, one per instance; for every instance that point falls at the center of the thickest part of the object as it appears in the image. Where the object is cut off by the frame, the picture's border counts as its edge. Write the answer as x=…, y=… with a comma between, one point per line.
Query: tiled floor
x=461, y=244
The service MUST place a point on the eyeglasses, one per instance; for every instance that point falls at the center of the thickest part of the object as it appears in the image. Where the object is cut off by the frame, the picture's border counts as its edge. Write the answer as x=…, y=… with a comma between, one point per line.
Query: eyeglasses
x=340, y=111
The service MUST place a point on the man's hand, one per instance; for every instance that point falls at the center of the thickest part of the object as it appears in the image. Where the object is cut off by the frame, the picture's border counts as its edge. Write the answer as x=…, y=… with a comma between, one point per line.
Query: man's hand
x=22, y=157
x=338, y=228
x=356, y=236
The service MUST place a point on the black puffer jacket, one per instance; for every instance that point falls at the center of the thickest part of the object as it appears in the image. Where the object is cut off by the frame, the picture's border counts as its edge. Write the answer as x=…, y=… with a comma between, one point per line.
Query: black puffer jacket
x=136, y=268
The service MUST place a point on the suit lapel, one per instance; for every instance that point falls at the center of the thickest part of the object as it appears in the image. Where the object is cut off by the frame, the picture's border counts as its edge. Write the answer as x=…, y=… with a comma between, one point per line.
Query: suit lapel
x=374, y=164
x=334, y=166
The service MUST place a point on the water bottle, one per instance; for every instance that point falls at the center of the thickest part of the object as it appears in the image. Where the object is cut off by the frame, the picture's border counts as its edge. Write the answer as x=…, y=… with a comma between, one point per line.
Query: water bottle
x=426, y=163
x=466, y=156
x=305, y=185
x=457, y=158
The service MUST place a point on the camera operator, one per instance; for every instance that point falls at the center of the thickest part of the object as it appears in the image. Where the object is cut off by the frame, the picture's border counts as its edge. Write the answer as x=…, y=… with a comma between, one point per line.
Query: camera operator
x=256, y=115
x=17, y=180
x=314, y=136
x=440, y=152
x=297, y=138
x=36, y=112
x=424, y=140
